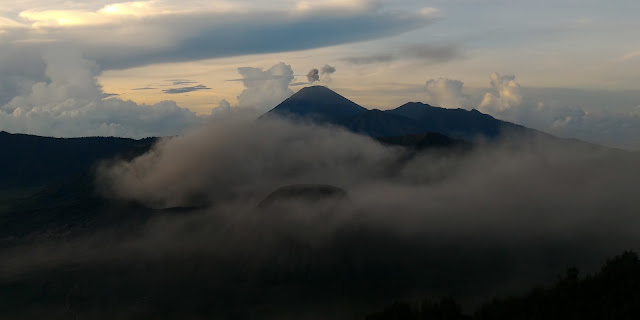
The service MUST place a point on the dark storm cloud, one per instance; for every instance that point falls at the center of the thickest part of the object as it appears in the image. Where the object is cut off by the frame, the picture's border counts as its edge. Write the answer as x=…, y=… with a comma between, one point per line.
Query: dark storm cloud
x=186, y=89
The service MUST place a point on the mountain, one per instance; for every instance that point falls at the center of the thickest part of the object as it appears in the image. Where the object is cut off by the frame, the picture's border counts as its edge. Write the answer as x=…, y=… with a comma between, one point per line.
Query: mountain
x=48, y=183
x=377, y=123
x=424, y=141
x=321, y=104
x=317, y=103
x=456, y=123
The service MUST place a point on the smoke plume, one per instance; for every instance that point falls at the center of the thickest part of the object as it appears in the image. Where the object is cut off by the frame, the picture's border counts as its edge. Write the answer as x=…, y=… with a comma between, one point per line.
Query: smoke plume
x=313, y=75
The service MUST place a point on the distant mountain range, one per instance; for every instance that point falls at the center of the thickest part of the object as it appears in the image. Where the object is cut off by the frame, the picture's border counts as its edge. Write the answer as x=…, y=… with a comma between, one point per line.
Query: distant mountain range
x=322, y=105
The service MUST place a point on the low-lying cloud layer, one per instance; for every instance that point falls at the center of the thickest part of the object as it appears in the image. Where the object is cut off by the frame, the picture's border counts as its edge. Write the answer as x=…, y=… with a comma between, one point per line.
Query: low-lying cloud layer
x=466, y=223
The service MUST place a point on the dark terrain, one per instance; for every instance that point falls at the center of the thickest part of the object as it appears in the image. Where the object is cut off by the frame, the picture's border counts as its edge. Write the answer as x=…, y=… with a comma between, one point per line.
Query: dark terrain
x=68, y=250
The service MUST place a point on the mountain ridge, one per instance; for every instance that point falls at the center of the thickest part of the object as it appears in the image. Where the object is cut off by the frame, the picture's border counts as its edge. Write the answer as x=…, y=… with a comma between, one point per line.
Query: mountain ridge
x=323, y=105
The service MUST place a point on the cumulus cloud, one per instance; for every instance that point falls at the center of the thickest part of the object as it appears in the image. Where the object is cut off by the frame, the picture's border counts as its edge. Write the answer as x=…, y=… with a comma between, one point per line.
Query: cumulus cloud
x=224, y=110
x=224, y=104
x=264, y=89
x=507, y=94
x=313, y=75
x=446, y=93
x=70, y=102
x=563, y=112
x=19, y=70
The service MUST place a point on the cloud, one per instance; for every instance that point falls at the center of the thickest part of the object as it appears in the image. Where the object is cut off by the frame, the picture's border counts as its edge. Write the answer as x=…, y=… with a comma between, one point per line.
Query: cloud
x=224, y=104
x=264, y=89
x=19, y=70
x=182, y=82
x=313, y=75
x=420, y=52
x=185, y=89
x=563, y=112
x=144, y=88
x=521, y=197
x=327, y=69
x=70, y=102
x=433, y=54
x=223, y=108
x=496, y=219
x=331, y=5
x=446, y=93
x=125, y=41
x=362, y=60
x=507, y=94
x=600, y=125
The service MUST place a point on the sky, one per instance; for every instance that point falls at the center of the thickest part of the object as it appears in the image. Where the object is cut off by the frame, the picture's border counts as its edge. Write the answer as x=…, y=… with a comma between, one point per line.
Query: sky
x=136, y=69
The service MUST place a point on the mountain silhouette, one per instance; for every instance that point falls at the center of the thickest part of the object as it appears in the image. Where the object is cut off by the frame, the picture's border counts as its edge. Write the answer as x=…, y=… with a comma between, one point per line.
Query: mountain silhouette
x=322, y=105
x=318, y=103
x=456, y=123
x=422, y=141
x=377, y=123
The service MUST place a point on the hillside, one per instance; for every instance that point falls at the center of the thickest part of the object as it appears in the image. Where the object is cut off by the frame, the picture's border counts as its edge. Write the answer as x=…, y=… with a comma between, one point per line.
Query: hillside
x=33, y=161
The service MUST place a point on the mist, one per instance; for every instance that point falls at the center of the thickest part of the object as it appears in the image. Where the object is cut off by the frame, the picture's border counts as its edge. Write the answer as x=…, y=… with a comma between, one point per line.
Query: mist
x=495, y=219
